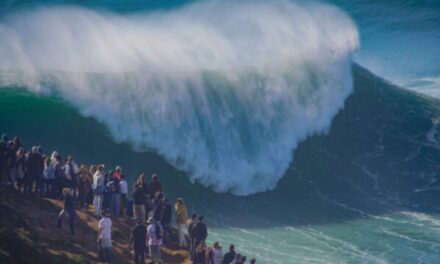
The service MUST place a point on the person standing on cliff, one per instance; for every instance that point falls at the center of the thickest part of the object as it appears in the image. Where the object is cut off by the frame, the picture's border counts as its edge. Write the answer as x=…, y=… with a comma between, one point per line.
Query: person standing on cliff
x=139, y=202
x=118, y=172
x=154, y=187
x=105, y=236
x=217, y=253
x=143, y=184
x=155, y=235
x=35, y=167
x=182, y=218
x=139, y=239
x=68, y=210
x=199, y=232
x=71, y=171
x=49, y=178
x=230, y=256
x=98, y=189
x=165, y=221
x=124, y=195
x=115, y=205
x=191, y=223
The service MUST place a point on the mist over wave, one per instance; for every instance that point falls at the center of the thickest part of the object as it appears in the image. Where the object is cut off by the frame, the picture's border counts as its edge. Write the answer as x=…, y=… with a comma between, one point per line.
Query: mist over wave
x=223, y=90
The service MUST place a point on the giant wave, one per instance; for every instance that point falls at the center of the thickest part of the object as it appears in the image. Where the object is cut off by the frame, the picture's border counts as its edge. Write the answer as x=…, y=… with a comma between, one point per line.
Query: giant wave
x=224, y=91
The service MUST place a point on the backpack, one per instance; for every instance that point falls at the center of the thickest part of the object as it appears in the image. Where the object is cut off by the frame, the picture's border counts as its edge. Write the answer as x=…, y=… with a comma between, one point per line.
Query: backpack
x=110, y=186
x=157, y=231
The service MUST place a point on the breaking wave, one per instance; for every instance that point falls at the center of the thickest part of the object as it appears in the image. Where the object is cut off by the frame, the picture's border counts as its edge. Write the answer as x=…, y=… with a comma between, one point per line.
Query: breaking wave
x=223, y=90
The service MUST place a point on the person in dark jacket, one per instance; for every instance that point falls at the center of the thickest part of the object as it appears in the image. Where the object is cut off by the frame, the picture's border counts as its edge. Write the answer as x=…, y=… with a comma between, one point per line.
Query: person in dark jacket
x=230, y=256
x=17, y=143
x=158, y=205
x=35, y=168
x=59, y=182
x=109, y=190
x=199, y=232
x=199, y=255
x=68, y=210
x=165, y=220
x=85, y=180
x=139, y=202
x=71, y=171
x=116, y=199
x=154, y=187
x=143, y=184
x=21, y=169
x=139, y=239
x=11, y=159
x=191, y=223
x=3, y=165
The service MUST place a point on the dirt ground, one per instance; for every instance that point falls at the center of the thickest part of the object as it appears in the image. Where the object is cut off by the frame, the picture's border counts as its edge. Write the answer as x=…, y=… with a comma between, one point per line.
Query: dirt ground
x=28, y=234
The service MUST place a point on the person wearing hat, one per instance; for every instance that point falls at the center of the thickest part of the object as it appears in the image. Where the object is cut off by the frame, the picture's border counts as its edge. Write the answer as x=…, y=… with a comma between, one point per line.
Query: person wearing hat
x=155, y=234
x=105, y=236
x=68, y=210
x=139, y=239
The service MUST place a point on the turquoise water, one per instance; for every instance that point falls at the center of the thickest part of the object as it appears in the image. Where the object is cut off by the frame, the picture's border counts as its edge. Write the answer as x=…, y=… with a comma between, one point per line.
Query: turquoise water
x=292, y=152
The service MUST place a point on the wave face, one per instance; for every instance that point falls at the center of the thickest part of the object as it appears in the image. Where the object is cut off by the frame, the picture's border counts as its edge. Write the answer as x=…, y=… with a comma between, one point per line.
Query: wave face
x=224, y=91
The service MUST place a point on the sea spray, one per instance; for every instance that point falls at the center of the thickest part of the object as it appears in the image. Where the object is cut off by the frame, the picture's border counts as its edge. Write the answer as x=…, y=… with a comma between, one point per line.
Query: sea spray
x=223, y=90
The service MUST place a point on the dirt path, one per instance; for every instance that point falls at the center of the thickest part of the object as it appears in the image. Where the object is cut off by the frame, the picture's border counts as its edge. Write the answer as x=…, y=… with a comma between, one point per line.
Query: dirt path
x=41, y=216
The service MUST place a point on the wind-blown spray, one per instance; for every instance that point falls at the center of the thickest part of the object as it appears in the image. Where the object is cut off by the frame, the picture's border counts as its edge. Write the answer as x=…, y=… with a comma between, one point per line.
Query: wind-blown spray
x=224, y=91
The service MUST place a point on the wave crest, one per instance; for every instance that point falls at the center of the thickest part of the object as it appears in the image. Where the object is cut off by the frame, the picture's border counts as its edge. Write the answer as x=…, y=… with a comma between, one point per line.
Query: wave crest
x=224, y=91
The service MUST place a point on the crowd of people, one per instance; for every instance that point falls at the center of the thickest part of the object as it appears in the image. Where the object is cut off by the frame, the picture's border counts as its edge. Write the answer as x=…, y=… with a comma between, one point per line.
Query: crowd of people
x=34, y=172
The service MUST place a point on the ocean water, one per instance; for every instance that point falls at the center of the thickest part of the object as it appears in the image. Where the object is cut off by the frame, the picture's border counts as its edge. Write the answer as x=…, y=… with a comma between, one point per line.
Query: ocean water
x=400, y=41
x=265, y=115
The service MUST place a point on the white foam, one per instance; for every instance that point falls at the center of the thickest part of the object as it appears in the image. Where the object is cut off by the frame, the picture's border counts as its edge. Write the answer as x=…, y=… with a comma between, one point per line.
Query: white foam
x=223, y=90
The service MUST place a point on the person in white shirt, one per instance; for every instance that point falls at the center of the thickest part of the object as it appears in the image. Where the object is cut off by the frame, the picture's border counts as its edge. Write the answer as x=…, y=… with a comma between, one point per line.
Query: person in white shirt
x=71, y=170
x=217, y=254
x=155, y=234
x=124, y=193
x=98, y=189
x=105, y=236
